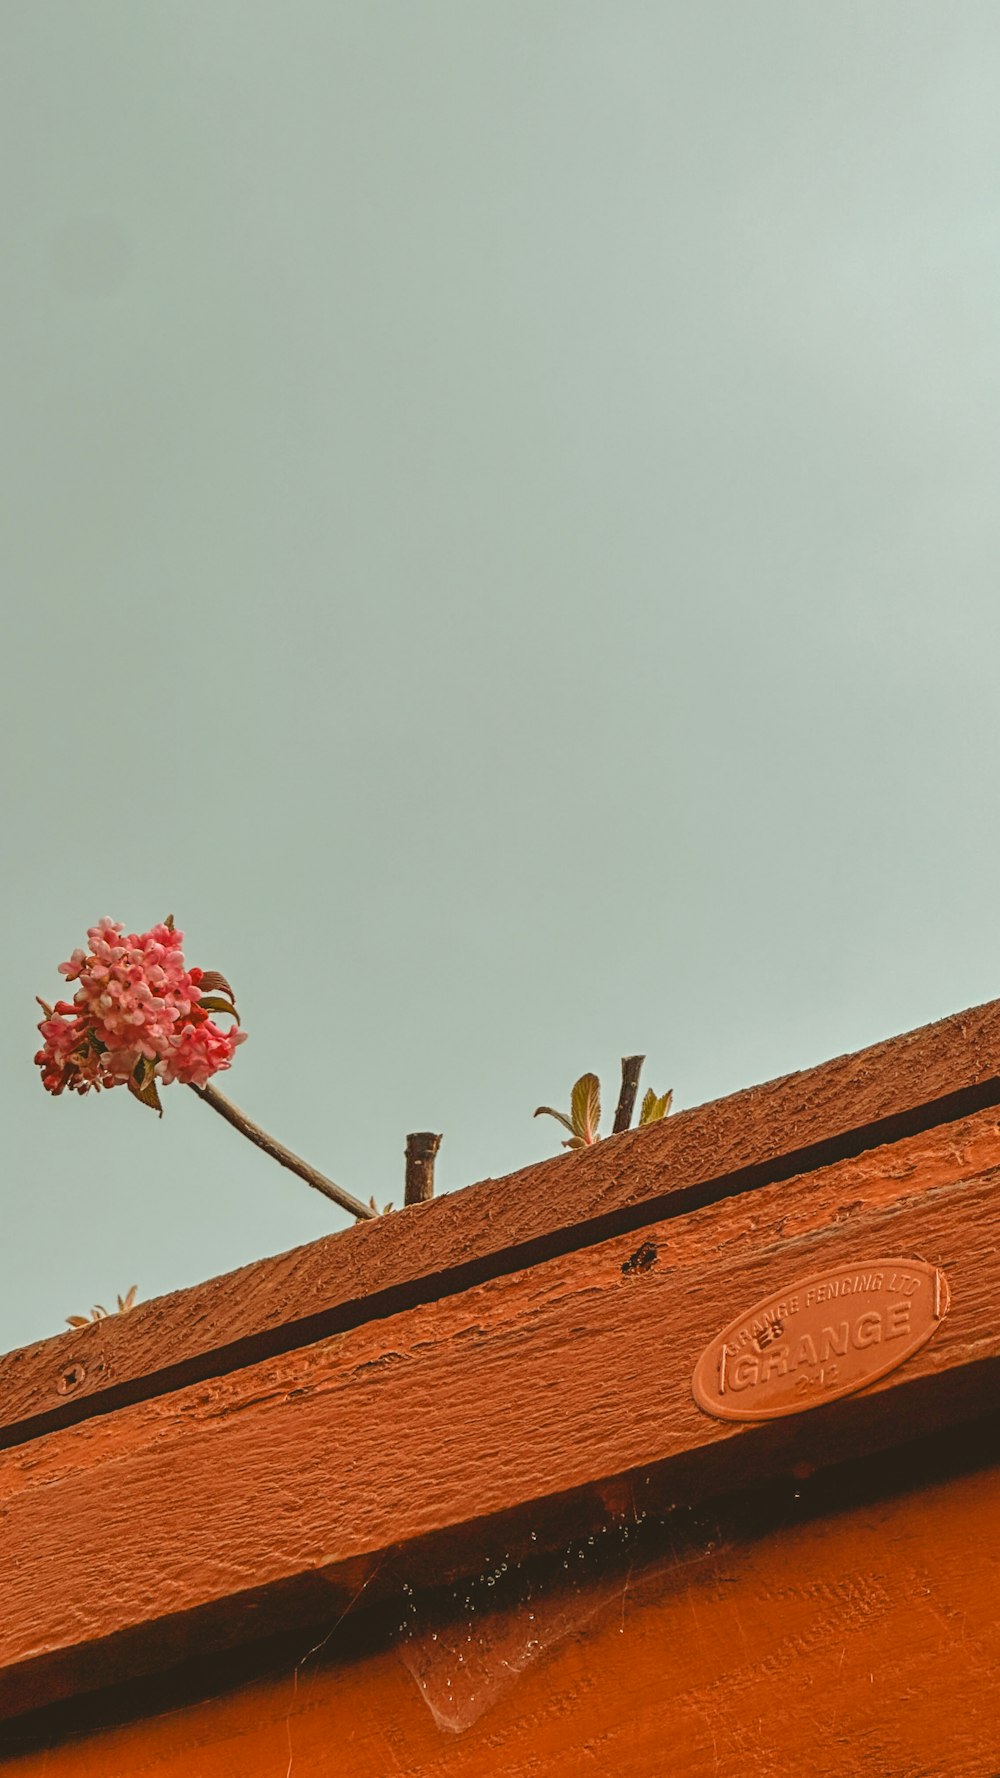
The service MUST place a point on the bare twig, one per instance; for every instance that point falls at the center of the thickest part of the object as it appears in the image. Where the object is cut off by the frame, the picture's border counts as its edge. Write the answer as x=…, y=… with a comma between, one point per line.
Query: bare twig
x=631, y=1070
x=421, y=1148
x=278, y=1152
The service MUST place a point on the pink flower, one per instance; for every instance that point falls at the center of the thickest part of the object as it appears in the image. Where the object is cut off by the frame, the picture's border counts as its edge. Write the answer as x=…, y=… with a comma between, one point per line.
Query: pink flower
x=199, y=1051
x=138, y=1015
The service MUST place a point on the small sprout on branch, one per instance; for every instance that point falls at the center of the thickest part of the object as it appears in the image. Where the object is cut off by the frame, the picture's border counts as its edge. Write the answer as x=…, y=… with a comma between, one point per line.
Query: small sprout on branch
x=584, y=1113
x=585, y=1106
x=653, y=1108
x=100, y=1313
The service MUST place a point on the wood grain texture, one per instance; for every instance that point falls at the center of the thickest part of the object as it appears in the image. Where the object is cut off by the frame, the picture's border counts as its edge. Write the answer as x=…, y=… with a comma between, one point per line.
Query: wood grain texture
x=567, y=1374
x=857, y=1102
x=860, y=1644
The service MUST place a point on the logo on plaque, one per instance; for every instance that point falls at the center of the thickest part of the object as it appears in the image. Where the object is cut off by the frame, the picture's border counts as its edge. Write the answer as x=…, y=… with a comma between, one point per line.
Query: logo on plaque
x=821, y=1338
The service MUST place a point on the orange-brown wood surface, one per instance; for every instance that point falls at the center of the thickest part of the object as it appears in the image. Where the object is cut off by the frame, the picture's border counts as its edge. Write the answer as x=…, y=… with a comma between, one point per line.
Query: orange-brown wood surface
x=861, y=1642
x=378, y=1268
x=572, y=1372
x=434, y=1495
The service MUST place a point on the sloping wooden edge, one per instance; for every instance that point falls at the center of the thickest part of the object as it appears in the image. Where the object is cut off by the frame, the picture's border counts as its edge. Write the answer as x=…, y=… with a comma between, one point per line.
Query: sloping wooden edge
x=477, y=1369
x=786, y=1127
x=503, y=1418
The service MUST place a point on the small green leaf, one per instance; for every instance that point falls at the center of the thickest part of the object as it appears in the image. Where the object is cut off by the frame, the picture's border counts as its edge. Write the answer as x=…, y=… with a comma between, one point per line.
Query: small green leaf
x=215, y=1003
x=547, y=1111
x=653, y=1108
x=142, y=1085
x=585, y=1108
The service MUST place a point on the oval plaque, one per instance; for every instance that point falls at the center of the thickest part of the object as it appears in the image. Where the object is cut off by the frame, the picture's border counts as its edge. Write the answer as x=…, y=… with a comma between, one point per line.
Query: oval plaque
x=820, y=1338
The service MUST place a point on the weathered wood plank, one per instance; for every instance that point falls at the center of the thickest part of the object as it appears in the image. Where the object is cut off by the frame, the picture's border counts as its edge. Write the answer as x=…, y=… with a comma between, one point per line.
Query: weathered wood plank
x=376, y=1269
x=857, y=1645
x=401, y=1429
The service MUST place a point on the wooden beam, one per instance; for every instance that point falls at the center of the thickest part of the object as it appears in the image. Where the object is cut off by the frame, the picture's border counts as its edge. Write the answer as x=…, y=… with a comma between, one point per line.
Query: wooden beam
x=572, y=1374
x=378, y=1269
x=845, y=1634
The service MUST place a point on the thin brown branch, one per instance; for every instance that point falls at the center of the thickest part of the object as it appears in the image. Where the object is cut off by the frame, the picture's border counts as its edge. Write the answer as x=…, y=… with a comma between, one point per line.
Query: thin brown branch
x=278, y=1152
x=421, y=1147
x=631, y=1070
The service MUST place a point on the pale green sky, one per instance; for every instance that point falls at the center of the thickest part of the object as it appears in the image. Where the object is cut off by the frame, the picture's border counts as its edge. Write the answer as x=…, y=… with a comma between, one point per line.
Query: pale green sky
x=500, y=537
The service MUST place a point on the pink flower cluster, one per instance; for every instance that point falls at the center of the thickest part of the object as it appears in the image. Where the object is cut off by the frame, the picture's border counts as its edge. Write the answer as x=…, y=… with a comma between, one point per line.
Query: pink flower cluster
x=138, y=1016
